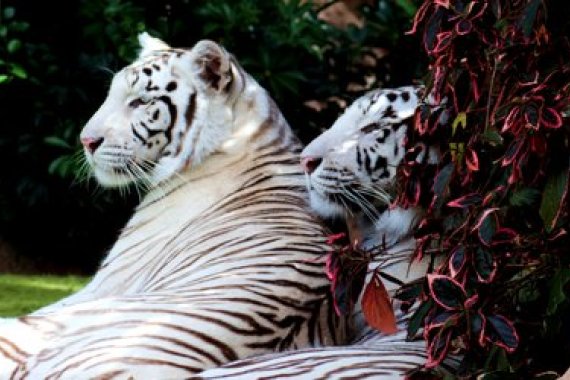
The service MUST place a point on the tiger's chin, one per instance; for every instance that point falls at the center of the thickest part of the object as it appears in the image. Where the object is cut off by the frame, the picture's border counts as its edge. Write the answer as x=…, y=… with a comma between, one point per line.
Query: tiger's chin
x=325, y=207
x=112, y=177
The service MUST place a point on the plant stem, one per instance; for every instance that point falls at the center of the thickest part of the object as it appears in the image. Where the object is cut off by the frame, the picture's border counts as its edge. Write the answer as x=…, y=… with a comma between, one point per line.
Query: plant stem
x=491, y=88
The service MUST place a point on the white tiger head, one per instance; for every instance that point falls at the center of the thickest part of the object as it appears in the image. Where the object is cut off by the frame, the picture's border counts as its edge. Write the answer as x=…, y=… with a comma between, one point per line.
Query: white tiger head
x=166, y=111
x=353, y=164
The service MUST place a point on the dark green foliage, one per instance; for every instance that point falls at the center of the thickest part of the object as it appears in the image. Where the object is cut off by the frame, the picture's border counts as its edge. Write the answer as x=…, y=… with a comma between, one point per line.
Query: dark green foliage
x=56, y=60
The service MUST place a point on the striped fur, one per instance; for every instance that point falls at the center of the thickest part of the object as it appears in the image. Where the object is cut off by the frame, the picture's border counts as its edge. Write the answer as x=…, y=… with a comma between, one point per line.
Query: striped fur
x=341, y=184
x=222, y=259
x=371, y=355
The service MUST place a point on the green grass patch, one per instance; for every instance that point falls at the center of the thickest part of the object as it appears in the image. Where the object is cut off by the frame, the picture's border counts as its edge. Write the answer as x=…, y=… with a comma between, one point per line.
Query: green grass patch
x=21, y=294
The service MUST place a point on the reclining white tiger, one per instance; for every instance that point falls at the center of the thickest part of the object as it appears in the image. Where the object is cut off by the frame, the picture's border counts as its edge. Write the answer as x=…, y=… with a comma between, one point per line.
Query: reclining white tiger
x=221, y=260
x=347, y=166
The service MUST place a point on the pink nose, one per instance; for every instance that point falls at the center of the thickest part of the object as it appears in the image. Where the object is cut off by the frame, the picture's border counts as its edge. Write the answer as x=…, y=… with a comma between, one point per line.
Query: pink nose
x=310, y=164
x=91, y=144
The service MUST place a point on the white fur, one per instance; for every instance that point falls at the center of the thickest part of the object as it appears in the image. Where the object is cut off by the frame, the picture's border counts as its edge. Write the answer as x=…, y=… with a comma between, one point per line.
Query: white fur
x=150, y=44
x=197, y=249
x=337, y=147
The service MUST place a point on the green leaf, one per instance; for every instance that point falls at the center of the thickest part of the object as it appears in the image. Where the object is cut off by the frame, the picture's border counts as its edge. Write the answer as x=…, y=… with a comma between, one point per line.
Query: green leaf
x=19, y=26
x=528, y=18
x=442, y=179
x=493, y=137
x=557, y=295
x=408, y=6
x=460, y=120
x=524, y=197
x=57, y=142
x=18, y=71
x=417, y=320
x=457, y=260
x=409, y=291
x=484, y=264
x=446, y=292
x=499, y=375
x=64, y=166
x=58, y=166
x=552, y=196
x=13, y=46
x=9, y=12
x=502, y=332
x=486, y=226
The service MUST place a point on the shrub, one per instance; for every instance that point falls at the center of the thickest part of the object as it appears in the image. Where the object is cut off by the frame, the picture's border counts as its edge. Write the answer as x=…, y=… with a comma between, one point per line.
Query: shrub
x=499, y=207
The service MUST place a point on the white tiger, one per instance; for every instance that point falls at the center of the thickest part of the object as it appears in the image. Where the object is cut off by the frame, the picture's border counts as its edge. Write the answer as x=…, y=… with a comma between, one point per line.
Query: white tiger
x=221, y=260
x=350, y=170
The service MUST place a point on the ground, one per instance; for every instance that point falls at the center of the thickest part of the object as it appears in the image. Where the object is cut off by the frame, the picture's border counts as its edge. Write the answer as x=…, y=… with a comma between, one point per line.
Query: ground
x=21, y=294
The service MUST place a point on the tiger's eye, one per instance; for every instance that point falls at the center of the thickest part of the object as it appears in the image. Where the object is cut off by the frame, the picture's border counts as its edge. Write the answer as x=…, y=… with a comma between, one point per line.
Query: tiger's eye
x=137, y=102
x=370, y=127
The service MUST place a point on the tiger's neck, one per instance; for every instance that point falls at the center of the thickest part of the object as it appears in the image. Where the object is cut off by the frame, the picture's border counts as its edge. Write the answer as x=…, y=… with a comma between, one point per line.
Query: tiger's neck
x=260, y=136
x=261, y=155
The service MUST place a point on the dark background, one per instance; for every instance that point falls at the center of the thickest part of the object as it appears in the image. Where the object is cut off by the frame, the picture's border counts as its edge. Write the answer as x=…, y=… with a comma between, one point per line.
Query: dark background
x=57, y=59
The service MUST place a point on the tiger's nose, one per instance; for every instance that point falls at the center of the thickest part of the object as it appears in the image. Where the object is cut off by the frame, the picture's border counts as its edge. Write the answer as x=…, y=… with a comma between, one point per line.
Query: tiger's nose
x=310, y=164
x=91, y=144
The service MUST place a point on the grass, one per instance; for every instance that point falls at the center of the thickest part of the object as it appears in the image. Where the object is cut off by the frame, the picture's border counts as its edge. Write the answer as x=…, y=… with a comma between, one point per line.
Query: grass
x=20, y=294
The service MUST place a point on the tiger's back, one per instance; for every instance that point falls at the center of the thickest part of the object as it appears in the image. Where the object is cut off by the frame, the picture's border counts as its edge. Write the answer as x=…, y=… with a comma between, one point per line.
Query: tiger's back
x=351, y=171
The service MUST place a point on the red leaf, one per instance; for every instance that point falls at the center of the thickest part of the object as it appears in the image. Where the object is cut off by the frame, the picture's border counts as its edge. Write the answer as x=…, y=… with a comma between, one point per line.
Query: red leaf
x=480, y=329
x=443, y=41
x=511, y=119
x=494, y=194
x=538, y=144
x=472, y=160
x=431, y=30
x=465, y=201
x=377, y=307
x=485, y=265
x=475, y=86
x=331, y=267
x=531, y=116
x=442, y=179
x=501, y=332
x=512, y=152
x=486, y=226
x=457, y=260
x=437, y=347
x=332, y=239
x=420, y=14
x=446, y=292
x=503, y=236
x=463, y=27
x=551, y=118
x=469, y=302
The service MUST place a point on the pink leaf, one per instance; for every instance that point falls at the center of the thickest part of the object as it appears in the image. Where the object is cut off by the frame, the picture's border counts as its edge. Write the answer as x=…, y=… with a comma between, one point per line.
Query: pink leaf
x=551, y=118
x=504, y=236
x=457, y=260
x=446, y=291
x=472, y=160
x=486, y=226
x=437, y=347
x=465, y=201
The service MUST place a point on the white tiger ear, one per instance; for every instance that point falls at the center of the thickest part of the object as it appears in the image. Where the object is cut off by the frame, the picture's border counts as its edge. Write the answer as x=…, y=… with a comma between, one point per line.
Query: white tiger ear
x=150, y=44
x=211, y=63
